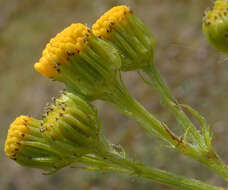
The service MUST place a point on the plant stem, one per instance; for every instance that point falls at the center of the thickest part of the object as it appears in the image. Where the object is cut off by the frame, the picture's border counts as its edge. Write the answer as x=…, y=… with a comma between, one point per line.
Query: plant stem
x=201, y=152
x=140, y=170
x=213, y=162
x=172, y=180
x=159, y=84
x=126, y=104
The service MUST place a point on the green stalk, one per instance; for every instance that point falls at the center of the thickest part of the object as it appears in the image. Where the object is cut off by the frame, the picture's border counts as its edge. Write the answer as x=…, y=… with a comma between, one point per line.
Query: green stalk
x=140, y=170
x=164, y=177
x=216, y=164
x=201, y=152
x=159, y=84
x=120, y=98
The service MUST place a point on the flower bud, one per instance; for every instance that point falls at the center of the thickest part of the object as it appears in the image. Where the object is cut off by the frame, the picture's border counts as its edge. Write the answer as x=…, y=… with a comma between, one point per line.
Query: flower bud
x=215, y=25
x=26, y=145
x=81, y=60
x=73, y=121
x=129, y=34
x=69, y=131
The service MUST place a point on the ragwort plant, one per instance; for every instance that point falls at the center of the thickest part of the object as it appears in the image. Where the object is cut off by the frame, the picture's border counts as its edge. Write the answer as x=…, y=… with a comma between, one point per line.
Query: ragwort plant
x=90, y=63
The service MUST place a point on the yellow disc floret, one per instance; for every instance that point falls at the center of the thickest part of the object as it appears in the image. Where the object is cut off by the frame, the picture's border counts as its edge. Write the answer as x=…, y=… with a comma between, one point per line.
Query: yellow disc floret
x=219, y=10
x=215, y=25
x=54, y=113
x=66, y=43
x=16, y=133
x=103, y=25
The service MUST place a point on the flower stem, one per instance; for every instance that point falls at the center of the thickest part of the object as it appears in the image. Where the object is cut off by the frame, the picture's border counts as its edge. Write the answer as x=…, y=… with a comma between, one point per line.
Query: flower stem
x=201, y=150
x=213, y=162
x=159, y=84
x=140, y=170
x=126, y=104
x=172, y=180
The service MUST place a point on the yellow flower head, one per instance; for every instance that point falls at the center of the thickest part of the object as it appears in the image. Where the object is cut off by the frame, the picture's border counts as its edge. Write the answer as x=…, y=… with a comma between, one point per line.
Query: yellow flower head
x=27, y=145
x=16, y=133
x=65, y=44
x=215, y=25
x=116, y=15
x=129, y=35
x=81, y=60
x=219, y=10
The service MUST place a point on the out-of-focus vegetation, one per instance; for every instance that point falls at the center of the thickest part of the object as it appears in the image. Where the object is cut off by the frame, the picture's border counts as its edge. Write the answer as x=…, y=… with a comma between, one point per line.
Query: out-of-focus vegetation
x=196, y=73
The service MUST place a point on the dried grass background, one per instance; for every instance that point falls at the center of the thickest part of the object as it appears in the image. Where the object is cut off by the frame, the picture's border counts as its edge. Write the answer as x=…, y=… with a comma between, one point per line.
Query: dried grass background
x=196, y=73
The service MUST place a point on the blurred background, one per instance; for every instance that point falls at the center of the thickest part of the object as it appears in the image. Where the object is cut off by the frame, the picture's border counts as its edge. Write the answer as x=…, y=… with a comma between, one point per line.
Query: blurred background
x=196, y=73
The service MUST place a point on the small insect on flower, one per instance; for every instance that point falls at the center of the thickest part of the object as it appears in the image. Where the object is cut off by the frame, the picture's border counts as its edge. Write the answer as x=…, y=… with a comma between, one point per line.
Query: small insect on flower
x=129, y=34
x=215, y=25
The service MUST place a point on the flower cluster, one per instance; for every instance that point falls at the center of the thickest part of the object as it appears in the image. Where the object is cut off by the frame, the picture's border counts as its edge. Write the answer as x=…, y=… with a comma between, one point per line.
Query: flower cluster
x=89, y=62
x=69, y=130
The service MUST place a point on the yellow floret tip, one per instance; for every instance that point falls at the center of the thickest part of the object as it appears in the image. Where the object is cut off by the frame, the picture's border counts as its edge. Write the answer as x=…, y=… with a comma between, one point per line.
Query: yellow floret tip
x=66, y=43
x=219, y=10
x=51, y=120
x=16, y=133
x=104, y=24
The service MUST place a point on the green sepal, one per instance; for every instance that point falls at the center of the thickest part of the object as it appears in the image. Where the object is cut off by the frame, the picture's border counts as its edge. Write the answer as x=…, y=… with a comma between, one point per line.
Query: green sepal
x=134, y=42
x=92, y=70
